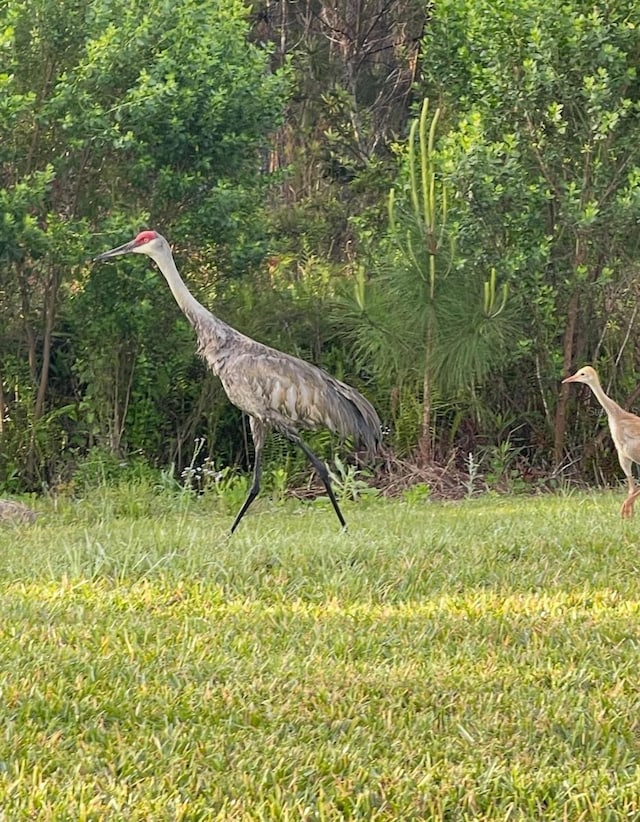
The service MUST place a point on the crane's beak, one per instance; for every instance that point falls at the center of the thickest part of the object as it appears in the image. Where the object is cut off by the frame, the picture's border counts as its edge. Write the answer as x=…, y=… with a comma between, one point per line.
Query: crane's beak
x=115, y=252
x=570, y=379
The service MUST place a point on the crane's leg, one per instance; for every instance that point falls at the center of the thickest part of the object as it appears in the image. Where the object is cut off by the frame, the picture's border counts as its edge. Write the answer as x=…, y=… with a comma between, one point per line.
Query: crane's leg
x=627, y=506
x=323, y=473
x=258, y=433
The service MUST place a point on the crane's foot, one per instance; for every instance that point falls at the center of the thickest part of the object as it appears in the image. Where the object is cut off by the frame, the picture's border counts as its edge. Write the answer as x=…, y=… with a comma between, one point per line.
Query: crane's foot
x=626, y=512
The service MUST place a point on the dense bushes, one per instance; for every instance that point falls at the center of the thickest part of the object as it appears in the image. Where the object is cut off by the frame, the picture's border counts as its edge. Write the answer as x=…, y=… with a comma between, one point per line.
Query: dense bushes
x=265, y=148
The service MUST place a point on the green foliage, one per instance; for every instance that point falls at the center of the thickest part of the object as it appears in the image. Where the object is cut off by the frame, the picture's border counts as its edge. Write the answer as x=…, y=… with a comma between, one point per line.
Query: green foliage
x=501, y=468
x=416, y=494
x=106, y=126
x=101, y=468
x=115, y=116
x=350, y=482
x=223, y=483
x=542, y=147
x=425, y=319
x=472, y=481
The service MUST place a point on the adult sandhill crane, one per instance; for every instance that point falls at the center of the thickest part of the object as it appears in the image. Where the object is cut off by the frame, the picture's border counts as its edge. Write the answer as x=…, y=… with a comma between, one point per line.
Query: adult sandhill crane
x=276, y=390
x=625, y=432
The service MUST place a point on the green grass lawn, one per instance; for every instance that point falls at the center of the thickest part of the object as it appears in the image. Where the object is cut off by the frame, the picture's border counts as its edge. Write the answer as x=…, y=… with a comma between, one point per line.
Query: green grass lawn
x=470, y=660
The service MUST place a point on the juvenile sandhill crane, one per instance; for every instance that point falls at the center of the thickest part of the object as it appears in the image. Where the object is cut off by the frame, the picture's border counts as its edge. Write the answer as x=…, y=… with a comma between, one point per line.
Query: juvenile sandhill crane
x=276, y=390
x=625, y=432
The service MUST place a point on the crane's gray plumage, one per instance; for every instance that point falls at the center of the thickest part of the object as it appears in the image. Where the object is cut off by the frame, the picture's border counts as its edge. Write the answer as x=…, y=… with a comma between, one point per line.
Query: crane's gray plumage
x=277, y=391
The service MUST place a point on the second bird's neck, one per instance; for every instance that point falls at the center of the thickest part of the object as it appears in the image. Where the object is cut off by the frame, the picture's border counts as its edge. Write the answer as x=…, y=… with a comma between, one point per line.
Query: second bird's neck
x=606, y=402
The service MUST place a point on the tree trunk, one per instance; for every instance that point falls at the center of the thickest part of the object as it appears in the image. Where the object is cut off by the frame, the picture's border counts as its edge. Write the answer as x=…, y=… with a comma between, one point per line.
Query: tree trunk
x=424, y=445
x=425, y=451
x=50, y=306
x=30, y=336
x=3, y=406
x=560, y=425
x=123, y=376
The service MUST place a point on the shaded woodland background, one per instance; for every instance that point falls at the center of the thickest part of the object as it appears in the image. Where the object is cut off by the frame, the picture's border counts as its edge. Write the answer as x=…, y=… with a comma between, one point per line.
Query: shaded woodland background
x=451, y=259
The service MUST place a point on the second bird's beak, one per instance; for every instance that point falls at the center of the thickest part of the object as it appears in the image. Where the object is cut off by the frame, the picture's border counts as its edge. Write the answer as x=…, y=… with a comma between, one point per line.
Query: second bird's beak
x=570, y=379
x=115, y=252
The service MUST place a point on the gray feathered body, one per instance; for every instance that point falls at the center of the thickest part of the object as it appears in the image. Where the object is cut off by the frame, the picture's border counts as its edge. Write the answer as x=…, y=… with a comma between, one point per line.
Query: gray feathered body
x=280, y=390
x=275, y=389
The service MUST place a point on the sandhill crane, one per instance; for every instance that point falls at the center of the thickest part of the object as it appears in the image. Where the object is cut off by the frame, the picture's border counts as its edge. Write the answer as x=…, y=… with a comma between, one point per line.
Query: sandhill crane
x=276, y=390
x=625, y=432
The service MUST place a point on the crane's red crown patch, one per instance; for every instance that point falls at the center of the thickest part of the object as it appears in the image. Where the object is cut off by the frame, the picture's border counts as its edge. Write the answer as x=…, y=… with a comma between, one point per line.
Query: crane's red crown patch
x=145, y=237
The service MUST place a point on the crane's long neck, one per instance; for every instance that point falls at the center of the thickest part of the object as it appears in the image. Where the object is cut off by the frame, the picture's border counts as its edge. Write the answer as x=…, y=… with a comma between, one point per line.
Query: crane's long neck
x=185, y=299
x=606, y=402
x=213, y=334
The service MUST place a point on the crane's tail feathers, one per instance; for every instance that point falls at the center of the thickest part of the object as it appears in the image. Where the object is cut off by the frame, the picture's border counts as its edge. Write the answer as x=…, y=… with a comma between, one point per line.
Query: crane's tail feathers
x=356, y=417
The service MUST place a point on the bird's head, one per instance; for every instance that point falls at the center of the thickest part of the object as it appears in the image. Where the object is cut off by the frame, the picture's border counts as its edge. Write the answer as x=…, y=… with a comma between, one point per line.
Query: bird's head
x=147, y=242
x=586, y=374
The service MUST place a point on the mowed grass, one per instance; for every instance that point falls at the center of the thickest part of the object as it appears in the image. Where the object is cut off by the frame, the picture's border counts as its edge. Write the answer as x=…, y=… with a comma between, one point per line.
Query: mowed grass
x=469, y=660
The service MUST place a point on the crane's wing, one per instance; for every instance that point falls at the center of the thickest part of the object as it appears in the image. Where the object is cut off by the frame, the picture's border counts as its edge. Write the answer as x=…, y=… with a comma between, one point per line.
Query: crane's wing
x=284, y=390
x=625, y=430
